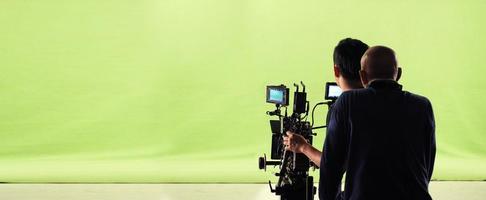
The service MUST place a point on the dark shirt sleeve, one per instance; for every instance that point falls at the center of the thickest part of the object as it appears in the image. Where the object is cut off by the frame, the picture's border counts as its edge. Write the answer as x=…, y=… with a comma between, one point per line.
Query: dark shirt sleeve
x=332, y=166
x=431, y=131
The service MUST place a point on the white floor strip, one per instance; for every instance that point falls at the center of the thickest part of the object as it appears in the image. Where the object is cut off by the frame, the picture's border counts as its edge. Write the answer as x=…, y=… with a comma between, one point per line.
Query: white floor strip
x=448, y=190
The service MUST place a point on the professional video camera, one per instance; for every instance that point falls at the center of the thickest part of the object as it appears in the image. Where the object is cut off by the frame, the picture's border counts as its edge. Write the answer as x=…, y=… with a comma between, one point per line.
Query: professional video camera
x=294, y=182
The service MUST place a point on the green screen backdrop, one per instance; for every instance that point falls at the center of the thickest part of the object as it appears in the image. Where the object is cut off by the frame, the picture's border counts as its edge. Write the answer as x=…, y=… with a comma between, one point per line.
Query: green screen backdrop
x=173, y=90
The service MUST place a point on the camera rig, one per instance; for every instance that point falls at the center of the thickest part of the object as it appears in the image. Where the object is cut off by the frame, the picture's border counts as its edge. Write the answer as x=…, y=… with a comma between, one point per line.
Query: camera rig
x=294, y=182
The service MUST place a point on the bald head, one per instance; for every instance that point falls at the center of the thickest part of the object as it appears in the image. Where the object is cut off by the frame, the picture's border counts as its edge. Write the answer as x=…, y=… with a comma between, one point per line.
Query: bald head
x=379, y=62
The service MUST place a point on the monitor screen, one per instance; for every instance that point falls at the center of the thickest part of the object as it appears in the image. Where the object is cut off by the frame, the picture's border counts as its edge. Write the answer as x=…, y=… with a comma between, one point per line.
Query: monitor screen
x=335, y=91
x=332, y=91
x=278, y=95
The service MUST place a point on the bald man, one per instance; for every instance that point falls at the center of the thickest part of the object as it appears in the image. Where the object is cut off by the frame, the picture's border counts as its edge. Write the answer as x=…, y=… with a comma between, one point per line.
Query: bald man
x=382, y=137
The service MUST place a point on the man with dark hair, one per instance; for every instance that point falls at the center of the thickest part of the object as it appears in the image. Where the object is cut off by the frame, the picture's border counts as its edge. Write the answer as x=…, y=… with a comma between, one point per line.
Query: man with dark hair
x=383, y=138
x=347, y=56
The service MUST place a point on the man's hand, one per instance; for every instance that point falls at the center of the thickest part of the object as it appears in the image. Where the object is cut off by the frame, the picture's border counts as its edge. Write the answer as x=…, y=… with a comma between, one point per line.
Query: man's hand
x=295, y=142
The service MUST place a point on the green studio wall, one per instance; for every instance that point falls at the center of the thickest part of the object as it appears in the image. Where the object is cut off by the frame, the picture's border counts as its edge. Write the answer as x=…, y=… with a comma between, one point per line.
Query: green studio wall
x=173, y=90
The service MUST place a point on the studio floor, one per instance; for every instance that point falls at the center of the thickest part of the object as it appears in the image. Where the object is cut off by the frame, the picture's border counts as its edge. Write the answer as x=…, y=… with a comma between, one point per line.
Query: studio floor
x=442, y=190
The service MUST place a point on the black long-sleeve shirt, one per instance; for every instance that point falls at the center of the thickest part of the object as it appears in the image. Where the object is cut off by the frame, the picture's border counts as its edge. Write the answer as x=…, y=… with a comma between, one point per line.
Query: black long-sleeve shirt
x=383, y=138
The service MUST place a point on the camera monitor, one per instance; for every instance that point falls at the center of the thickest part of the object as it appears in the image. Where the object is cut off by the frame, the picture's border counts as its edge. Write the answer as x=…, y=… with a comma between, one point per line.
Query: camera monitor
x=278, y=95
x=332, y=91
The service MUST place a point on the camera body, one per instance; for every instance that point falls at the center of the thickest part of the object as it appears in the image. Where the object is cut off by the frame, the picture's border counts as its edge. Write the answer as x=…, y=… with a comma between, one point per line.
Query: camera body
x=294, y=182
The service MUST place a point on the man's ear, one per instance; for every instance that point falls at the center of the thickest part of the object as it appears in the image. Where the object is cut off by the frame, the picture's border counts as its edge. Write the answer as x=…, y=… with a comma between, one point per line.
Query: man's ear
x=337, y=72
x=364, y=78
x=399, y=73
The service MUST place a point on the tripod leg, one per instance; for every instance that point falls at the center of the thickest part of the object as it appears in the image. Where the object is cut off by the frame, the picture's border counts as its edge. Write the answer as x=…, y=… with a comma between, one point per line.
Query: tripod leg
x=310, y=188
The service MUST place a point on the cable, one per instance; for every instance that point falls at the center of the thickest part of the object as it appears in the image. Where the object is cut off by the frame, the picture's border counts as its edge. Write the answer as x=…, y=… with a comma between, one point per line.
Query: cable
x=313, y=109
